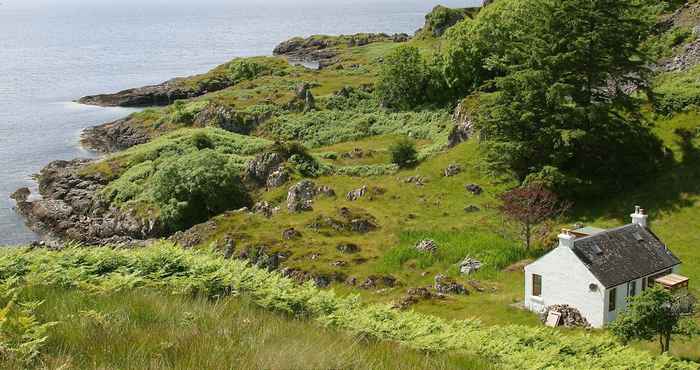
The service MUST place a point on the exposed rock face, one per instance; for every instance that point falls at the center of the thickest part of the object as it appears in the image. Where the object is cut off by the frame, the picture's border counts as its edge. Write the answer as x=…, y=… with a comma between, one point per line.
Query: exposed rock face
x=227, y=118
x=349, y=221
x=447, y=285
x=356, y=194
x=277, y=177
x=304, y=100
x=21, y=195
x=263, y=208
x=474, y=189
x=415, y=295
x=114, y=136
x=463, y=128
x=155, y=95
x=469, y=266
x=326, y=191
x=441, y=18
x=452, y=170
x=71, y=209
x=290, y=234
x=266, y=169
x=348, y=248
x=320, y=49
x=689, y=57
x=300, y=196
x=427, y=246
x=376, y=281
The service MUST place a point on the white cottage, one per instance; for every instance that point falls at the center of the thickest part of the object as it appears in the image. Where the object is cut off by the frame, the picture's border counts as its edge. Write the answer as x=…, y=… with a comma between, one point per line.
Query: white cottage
x=594, y=270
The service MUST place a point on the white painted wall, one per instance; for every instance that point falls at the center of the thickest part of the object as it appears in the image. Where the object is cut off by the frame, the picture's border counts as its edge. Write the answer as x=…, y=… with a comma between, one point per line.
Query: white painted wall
x=622, y=294
x=566, y=280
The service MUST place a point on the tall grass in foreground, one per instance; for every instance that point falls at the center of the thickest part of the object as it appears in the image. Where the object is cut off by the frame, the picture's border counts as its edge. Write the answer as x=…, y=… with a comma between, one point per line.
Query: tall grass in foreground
x=146, y=329
x=173, y=270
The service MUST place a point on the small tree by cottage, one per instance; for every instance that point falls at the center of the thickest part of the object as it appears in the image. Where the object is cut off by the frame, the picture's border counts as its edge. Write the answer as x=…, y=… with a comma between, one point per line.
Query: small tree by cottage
x=656, y=312
x=529, y=206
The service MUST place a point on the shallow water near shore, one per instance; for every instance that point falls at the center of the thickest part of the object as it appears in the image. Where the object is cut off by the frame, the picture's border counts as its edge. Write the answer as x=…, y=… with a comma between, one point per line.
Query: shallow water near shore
x=53, y=52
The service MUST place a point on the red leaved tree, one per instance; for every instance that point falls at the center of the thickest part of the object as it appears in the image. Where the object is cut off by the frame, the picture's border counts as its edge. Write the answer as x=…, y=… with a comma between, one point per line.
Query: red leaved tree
x=529, y=206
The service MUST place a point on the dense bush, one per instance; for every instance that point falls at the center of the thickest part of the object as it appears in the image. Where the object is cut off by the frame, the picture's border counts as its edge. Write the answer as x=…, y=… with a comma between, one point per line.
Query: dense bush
x=403, y=78
x=194, y=187
x=403, y=153
x=244, y=69
x=183, y=176
x=188, y=272
x=677, y=91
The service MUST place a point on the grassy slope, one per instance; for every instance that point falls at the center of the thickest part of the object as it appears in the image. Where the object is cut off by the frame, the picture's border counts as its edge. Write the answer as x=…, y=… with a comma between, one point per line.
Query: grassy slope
x=672, y=198
x=149, y=330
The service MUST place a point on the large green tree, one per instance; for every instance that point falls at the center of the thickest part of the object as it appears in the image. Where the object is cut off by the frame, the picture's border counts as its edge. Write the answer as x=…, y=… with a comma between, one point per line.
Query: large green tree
x=403, y=78
x=560, y=72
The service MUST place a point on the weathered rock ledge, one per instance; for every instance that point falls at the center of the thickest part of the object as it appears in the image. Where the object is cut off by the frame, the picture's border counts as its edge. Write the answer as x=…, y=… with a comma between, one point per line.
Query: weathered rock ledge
x=71, y=210
x=114, y=136
x=156, y=95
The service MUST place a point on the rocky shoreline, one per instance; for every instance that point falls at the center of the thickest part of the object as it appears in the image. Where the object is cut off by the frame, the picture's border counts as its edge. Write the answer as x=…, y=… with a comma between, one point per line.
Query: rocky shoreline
x=70, y=209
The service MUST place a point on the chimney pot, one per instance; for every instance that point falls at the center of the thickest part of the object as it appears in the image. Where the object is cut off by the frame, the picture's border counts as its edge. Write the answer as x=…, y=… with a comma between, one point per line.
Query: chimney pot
x=639, y=217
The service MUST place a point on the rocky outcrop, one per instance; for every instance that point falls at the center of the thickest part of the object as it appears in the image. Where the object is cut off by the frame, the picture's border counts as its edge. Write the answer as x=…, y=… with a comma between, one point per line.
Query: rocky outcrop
x=427, y=246
x=115, y=136
x=71, y=209
x=446, y=285
x=469, y=265
x=441, y=18
x=300, y=196
x=229, y=119
x=350, y=221
x=686, y=59
x=267, y=169
x=452, y=170
x=304, y=100
x=463, y=119
x=322, y=49
x=156, y=95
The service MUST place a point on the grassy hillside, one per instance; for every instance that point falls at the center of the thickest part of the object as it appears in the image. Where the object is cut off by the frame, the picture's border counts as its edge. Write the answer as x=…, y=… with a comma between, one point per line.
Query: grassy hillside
x=149, y=330
x=343, y=140
x=86, y=324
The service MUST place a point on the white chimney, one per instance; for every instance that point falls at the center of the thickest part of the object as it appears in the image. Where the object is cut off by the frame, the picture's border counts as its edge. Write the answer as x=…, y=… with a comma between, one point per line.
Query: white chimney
x=566, y=239
x=639, y=217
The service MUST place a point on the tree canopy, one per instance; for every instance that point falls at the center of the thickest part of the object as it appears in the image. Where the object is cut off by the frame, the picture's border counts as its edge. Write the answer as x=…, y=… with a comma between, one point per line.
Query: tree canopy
x=562, y=74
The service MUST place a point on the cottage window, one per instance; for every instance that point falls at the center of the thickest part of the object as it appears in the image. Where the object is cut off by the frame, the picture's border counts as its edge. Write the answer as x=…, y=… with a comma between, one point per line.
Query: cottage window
x=644, y=284
x=536, y=285
x=632, y=288
x=613, y=299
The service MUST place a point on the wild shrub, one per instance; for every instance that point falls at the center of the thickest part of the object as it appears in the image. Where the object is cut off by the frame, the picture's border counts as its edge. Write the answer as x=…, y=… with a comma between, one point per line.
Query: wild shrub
x=194, y=187
x=244, y=69
x=404, y=153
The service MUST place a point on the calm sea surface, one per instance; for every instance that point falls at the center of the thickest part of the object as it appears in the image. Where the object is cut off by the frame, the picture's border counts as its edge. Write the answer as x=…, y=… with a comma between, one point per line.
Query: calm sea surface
x=55, y=51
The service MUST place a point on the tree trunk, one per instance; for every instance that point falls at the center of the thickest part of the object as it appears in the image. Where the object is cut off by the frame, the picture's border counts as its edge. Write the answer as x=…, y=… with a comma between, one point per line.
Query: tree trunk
x=528, y=233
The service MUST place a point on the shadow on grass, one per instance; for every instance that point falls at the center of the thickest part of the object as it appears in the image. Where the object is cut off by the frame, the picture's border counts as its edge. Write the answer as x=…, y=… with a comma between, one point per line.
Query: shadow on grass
x=670, y=190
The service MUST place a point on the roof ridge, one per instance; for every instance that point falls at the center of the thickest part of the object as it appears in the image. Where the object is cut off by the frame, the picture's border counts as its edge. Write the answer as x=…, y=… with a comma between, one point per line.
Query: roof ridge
x=607, y=231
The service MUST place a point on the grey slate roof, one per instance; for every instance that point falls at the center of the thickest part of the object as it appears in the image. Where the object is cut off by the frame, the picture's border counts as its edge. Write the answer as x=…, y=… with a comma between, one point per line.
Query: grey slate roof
x=619, y=255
